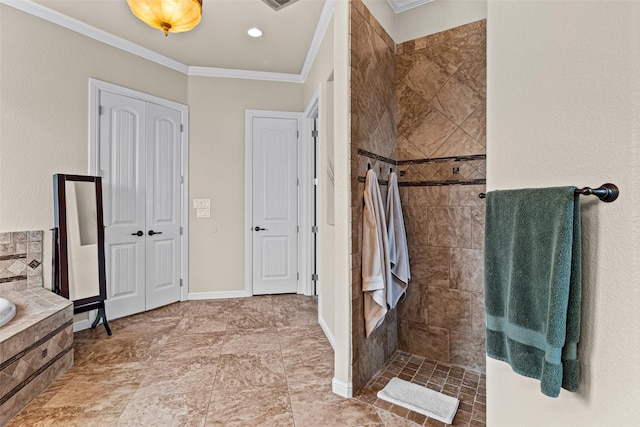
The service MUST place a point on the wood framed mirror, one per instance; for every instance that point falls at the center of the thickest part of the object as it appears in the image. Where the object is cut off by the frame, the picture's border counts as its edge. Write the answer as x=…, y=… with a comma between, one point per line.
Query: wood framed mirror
x=78, y=245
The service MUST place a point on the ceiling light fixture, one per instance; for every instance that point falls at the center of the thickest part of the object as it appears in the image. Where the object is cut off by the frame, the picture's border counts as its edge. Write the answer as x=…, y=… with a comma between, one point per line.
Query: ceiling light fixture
x=255, y=32
x=173, y=16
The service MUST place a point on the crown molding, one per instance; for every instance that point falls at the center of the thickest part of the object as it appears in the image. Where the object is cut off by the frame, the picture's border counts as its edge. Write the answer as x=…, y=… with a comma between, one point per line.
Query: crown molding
x=245, y=74
x=321, y=29
x=72, y=24
x=403, y=6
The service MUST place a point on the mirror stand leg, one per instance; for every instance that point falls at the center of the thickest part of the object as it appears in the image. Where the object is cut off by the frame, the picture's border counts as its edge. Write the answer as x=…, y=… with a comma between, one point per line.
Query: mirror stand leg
x=102, y=315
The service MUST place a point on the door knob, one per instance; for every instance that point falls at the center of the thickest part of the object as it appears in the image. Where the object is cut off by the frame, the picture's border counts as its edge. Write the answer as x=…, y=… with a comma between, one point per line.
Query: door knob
x=151, y=232
x=139, y=233
x=259, y=228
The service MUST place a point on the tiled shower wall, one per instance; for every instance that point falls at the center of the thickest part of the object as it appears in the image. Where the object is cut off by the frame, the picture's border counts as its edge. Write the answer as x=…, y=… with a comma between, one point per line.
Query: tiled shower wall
x=373, y=132
x=420, y=107
x=441, y=94
x=441, y=151
x=442, y=317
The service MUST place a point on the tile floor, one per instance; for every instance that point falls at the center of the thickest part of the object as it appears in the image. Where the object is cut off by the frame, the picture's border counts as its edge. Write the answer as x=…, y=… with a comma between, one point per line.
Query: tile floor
x=261, y=361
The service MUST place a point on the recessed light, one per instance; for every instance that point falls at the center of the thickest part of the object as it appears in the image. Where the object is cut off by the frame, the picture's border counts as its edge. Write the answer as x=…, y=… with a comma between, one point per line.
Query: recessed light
x=255, y=32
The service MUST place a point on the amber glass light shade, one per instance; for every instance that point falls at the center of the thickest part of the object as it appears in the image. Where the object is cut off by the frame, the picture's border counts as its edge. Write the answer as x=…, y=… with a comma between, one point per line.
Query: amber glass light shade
x=173, y=16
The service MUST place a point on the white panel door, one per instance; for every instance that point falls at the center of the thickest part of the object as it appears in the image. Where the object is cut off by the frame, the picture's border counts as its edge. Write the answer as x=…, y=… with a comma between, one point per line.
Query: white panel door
x=275, y=205
x=140, y=168
x=123, y=171
x=163, y=206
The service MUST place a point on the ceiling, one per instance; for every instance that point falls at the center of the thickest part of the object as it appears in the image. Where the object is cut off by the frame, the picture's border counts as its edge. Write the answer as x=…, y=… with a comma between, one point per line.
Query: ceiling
x=219, y=45
x=220, y=41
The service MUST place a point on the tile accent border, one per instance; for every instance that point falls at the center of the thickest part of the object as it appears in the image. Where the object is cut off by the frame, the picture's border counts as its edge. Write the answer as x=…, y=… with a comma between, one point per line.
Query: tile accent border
x=13, y=279
x=9, y=257
x=35, y=344
x=442, y=159
x=462, y=170
x=441, y=183
x=471, y=170
x=35, y=375
x=366, y=157
x=377, y=157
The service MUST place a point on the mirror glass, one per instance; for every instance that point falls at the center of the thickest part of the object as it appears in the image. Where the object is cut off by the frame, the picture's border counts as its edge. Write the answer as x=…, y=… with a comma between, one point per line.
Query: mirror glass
x=82, y=239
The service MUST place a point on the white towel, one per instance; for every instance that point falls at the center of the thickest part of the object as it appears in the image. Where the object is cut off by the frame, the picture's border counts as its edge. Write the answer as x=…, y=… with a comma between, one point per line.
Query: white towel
x=376, y=271
x=398, y=249
x=420, y=399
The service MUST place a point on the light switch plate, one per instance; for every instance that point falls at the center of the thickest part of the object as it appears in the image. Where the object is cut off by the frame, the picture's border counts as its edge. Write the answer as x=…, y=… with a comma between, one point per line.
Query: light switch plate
x=201, y=203
x=203, y=213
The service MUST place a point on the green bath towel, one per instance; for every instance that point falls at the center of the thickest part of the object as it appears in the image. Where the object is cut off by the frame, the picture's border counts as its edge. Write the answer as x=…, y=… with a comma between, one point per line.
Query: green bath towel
x=532, y=283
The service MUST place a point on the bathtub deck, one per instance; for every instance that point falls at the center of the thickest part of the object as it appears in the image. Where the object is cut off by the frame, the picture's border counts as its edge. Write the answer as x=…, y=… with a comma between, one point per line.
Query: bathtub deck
x=35, y=347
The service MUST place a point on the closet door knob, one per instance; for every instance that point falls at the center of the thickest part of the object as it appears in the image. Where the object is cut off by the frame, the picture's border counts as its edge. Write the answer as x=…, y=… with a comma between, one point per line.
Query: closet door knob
x=139, y=233
x=259, y=228
x=151, y=232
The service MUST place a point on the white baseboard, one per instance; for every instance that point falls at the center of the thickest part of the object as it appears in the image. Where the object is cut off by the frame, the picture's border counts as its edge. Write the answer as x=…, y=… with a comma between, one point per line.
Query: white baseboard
x=82, y=325
x=341, y=388
x=218, y=295
x=327, y=332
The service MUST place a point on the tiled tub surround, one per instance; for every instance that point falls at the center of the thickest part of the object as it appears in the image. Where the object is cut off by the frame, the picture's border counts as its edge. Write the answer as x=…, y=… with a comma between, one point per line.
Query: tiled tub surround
x=36, y=346
x=20, y=260
x=373, y=131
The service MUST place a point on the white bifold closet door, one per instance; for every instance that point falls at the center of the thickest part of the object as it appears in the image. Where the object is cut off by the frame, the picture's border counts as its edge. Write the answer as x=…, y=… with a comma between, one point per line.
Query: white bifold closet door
x=140, y=167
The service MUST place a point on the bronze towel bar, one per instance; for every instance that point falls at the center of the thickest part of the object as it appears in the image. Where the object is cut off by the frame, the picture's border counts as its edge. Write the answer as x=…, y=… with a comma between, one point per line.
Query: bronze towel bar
x=606, y=192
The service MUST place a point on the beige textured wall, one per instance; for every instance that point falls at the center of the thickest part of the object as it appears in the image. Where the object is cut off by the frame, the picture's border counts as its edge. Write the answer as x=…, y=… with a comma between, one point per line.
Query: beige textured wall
x=384, y=14
x=564, y=109
x=216, y=171
x=319, y=74
x=44, y=82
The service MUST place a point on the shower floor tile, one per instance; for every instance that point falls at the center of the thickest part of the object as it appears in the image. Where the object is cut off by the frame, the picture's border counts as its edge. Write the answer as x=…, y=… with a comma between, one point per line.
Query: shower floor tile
x=467, y=385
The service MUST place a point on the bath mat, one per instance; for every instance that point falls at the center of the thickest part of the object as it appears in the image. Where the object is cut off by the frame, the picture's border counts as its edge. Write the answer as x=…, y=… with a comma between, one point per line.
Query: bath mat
x=420, y=399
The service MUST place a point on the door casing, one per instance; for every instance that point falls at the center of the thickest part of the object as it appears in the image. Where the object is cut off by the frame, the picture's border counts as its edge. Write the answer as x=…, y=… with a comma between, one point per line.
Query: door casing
x=97, y=86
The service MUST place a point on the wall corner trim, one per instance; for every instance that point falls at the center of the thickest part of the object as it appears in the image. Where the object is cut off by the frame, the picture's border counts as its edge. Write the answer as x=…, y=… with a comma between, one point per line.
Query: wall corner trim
x=81, y=325
x=341, y=388
x=328, y=333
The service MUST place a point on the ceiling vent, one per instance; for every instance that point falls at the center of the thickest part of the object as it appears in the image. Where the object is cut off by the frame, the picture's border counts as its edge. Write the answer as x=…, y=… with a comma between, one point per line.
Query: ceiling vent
x=278, y=4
